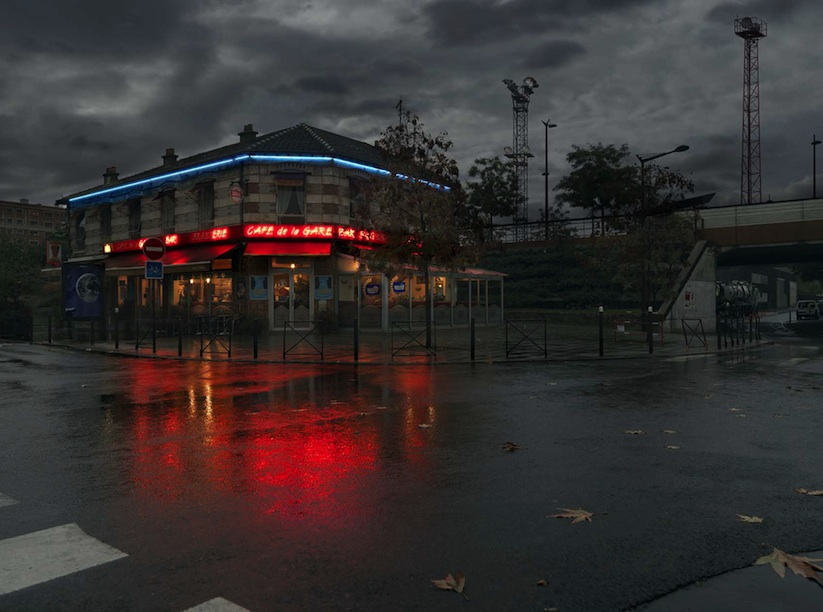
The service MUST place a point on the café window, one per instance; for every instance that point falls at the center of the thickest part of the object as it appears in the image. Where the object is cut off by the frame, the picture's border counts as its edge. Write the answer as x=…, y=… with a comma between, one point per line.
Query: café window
x=105, y=222
x=134, y=217
x=205, y=203
x=80, y=230
x=357, y=200
x=167, y=206
x=291, y=197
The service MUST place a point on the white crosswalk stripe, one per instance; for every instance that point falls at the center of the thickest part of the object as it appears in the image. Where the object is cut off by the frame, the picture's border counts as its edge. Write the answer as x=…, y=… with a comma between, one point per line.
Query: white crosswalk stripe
x=41, y=556
x=218, y=604
x=6, y=501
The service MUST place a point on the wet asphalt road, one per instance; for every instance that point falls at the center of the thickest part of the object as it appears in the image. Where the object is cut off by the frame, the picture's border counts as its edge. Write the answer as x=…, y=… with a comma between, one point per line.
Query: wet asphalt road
x=296, y=487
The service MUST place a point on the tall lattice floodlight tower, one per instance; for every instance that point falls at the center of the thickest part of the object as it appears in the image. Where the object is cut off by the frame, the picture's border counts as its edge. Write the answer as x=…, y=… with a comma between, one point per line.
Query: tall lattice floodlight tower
x=751, y=30
x=519, y=152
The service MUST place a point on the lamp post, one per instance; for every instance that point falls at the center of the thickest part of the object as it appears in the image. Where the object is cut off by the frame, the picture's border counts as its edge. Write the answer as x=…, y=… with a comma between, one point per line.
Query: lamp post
x=644, y=286
x=548, y=125
x=815, y=142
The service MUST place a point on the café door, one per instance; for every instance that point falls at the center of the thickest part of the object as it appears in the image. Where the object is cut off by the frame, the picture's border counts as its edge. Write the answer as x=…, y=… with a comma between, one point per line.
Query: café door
x=291, y=298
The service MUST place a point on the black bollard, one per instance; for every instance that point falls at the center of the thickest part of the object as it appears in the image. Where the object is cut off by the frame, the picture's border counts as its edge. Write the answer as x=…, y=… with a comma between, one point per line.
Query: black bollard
x=254, y=338
x=472, y=338
x=356, y=342
x=600, y=326
x=180, y=341
x=116, y=328
x=49, y=329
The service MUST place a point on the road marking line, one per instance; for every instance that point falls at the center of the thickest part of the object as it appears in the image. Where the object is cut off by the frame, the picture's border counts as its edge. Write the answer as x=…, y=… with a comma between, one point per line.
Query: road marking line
x=218, y=604
x=6, y=501
x=688, y=357
x=793, y=362
x=52, y=553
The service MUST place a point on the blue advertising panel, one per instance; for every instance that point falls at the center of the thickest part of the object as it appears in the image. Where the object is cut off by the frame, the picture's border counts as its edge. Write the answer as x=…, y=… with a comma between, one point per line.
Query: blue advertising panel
x=82, y=291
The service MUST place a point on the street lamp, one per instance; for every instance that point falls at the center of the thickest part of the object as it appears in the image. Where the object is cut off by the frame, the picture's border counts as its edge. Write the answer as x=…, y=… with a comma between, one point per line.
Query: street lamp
x=815, y=142
x=548, y=125
x=644, y=289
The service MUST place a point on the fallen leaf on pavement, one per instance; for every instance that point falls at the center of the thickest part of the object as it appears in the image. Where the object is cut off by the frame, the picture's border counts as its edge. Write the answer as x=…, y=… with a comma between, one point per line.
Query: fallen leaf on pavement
x=452, y=583
x=708, y=396
x=542, y=582
x=424, y=426
x=511, y=447
x=735, y=409
x=745, y=518
x=802, y=566
x=576, y=514
x=672, y=447
x=807, y=492
x=635, y=432
x=742, y=416
x=669, y=431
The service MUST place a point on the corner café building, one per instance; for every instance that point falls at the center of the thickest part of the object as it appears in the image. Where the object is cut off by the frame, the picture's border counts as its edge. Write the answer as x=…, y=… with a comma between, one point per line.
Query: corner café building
x=261, y=230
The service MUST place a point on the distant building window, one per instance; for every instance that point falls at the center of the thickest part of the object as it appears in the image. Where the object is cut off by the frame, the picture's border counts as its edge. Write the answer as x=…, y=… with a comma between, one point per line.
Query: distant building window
x=33, y=243
x=105, y=221
x=291, y=197
x=19, y=222
x=135, y=225
x=205, y=203
x=167, y=205
x=49, y=224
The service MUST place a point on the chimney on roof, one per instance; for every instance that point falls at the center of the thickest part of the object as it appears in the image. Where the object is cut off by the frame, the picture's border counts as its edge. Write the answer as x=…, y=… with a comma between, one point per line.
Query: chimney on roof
x=248, y=135
x=24, y=200
x=169, y=158
x=110, y=176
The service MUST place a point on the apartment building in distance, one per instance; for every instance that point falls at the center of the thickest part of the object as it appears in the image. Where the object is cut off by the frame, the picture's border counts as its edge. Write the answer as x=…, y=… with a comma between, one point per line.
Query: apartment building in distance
x=30, y=224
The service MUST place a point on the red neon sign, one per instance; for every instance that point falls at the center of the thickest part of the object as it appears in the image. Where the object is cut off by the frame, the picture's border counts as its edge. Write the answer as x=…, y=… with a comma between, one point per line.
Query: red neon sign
x=256, y=230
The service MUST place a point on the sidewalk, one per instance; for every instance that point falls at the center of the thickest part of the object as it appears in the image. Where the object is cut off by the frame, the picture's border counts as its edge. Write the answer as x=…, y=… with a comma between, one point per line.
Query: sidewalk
x=527, y=341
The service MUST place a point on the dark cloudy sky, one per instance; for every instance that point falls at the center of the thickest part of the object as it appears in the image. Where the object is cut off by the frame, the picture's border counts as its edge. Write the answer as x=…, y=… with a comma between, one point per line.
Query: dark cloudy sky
x=88, y=84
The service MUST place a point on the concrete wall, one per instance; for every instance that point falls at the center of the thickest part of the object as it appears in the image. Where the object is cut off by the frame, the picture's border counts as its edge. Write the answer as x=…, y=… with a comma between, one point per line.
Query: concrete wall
x=696, y=298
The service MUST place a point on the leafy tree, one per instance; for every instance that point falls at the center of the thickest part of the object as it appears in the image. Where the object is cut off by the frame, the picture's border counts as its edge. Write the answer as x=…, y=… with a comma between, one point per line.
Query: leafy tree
x=494, y=193
x=420, y=208
x=19, y=269
x=601, y=182
x=656, y=243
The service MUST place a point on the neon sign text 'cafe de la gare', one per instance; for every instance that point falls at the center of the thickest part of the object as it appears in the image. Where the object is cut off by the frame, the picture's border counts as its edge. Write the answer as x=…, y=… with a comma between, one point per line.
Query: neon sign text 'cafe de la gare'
x=251, y=231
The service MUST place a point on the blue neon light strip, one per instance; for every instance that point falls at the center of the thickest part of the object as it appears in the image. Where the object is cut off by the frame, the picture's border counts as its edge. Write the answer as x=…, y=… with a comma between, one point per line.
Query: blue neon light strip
x=299, y=159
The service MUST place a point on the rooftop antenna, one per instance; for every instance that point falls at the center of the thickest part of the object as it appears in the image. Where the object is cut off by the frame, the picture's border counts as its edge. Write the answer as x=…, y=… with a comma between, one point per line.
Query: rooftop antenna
x=519, y=152
x=751, y=30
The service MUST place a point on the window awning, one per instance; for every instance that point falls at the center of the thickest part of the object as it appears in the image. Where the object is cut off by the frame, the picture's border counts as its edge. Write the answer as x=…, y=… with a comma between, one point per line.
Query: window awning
x=173, y=257
x=289, y=247
x=196, y=254
x=126, y=261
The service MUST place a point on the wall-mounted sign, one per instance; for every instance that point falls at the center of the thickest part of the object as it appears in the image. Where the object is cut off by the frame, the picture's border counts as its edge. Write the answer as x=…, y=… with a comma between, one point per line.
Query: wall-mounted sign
x=372, y=289
x=322, y=287
x=82, y=291
x=259, y=287
x=399, y=286
x=236, y=194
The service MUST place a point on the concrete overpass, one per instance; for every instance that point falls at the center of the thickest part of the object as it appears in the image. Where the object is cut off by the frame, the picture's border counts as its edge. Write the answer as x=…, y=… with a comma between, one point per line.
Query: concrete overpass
x=767, y=233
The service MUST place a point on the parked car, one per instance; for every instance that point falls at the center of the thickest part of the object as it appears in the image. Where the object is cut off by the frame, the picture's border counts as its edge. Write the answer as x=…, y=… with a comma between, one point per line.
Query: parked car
x=807, y=309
